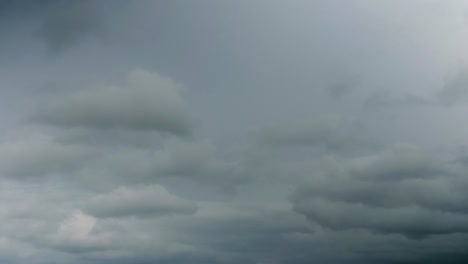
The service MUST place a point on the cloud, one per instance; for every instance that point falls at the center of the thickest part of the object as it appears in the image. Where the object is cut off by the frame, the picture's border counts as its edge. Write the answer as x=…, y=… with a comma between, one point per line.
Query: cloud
x=342, y=84
x=411, y=221
x=363, y=246
x=40, y=155
x=300, y=134
x=384, y=99
x=197, y=162
x=67, y=23
x=258, y=229
x=149, y=102
x=328, y=133
x=455, y=89
x=77, y=234
x=13, y=250
x=142, y=139
x=402, y=161
x=141, y=170
x=401, y=191
x=152, y=200
x=98, y=159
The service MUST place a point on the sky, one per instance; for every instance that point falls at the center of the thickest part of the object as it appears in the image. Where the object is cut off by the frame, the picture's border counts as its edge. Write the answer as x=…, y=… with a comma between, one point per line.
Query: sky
x=225, y=132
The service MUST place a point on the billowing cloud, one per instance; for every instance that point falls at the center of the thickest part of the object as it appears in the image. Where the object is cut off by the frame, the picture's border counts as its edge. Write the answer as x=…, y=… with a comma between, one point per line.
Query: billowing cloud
x=151, y=200
x=148, y=102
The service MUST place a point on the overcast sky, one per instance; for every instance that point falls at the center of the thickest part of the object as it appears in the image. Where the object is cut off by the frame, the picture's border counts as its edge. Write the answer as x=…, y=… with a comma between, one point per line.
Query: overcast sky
x=226, y=132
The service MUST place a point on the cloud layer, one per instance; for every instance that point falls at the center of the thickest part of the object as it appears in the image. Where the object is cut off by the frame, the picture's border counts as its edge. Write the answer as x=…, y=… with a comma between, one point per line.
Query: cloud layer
x=225, y=132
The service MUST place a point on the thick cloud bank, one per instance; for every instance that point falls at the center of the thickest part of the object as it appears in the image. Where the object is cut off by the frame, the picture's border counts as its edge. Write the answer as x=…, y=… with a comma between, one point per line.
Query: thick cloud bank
x=226, y=132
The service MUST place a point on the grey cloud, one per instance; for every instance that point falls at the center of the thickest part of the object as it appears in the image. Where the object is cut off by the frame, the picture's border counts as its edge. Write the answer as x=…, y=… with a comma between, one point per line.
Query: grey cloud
x=402, y=191
x=362, y=246
x=385, y=99
x=328, y=133
x=195, y=161
x=112, y=137
x=299, y=134
x=15, y=8
x=40, y=155
x=267, y=66
x=411, y=221
x=33, y=218
x=436, y=194
x=455, y=89
x=198, y=161
x=121, y=239
x=13, y=250
x=69, y=22
x=257, y=230
x=149, y=102
x=153, y=200
x=342, y=85
x=277, y=235
x=401, y=162
x=77, y=234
